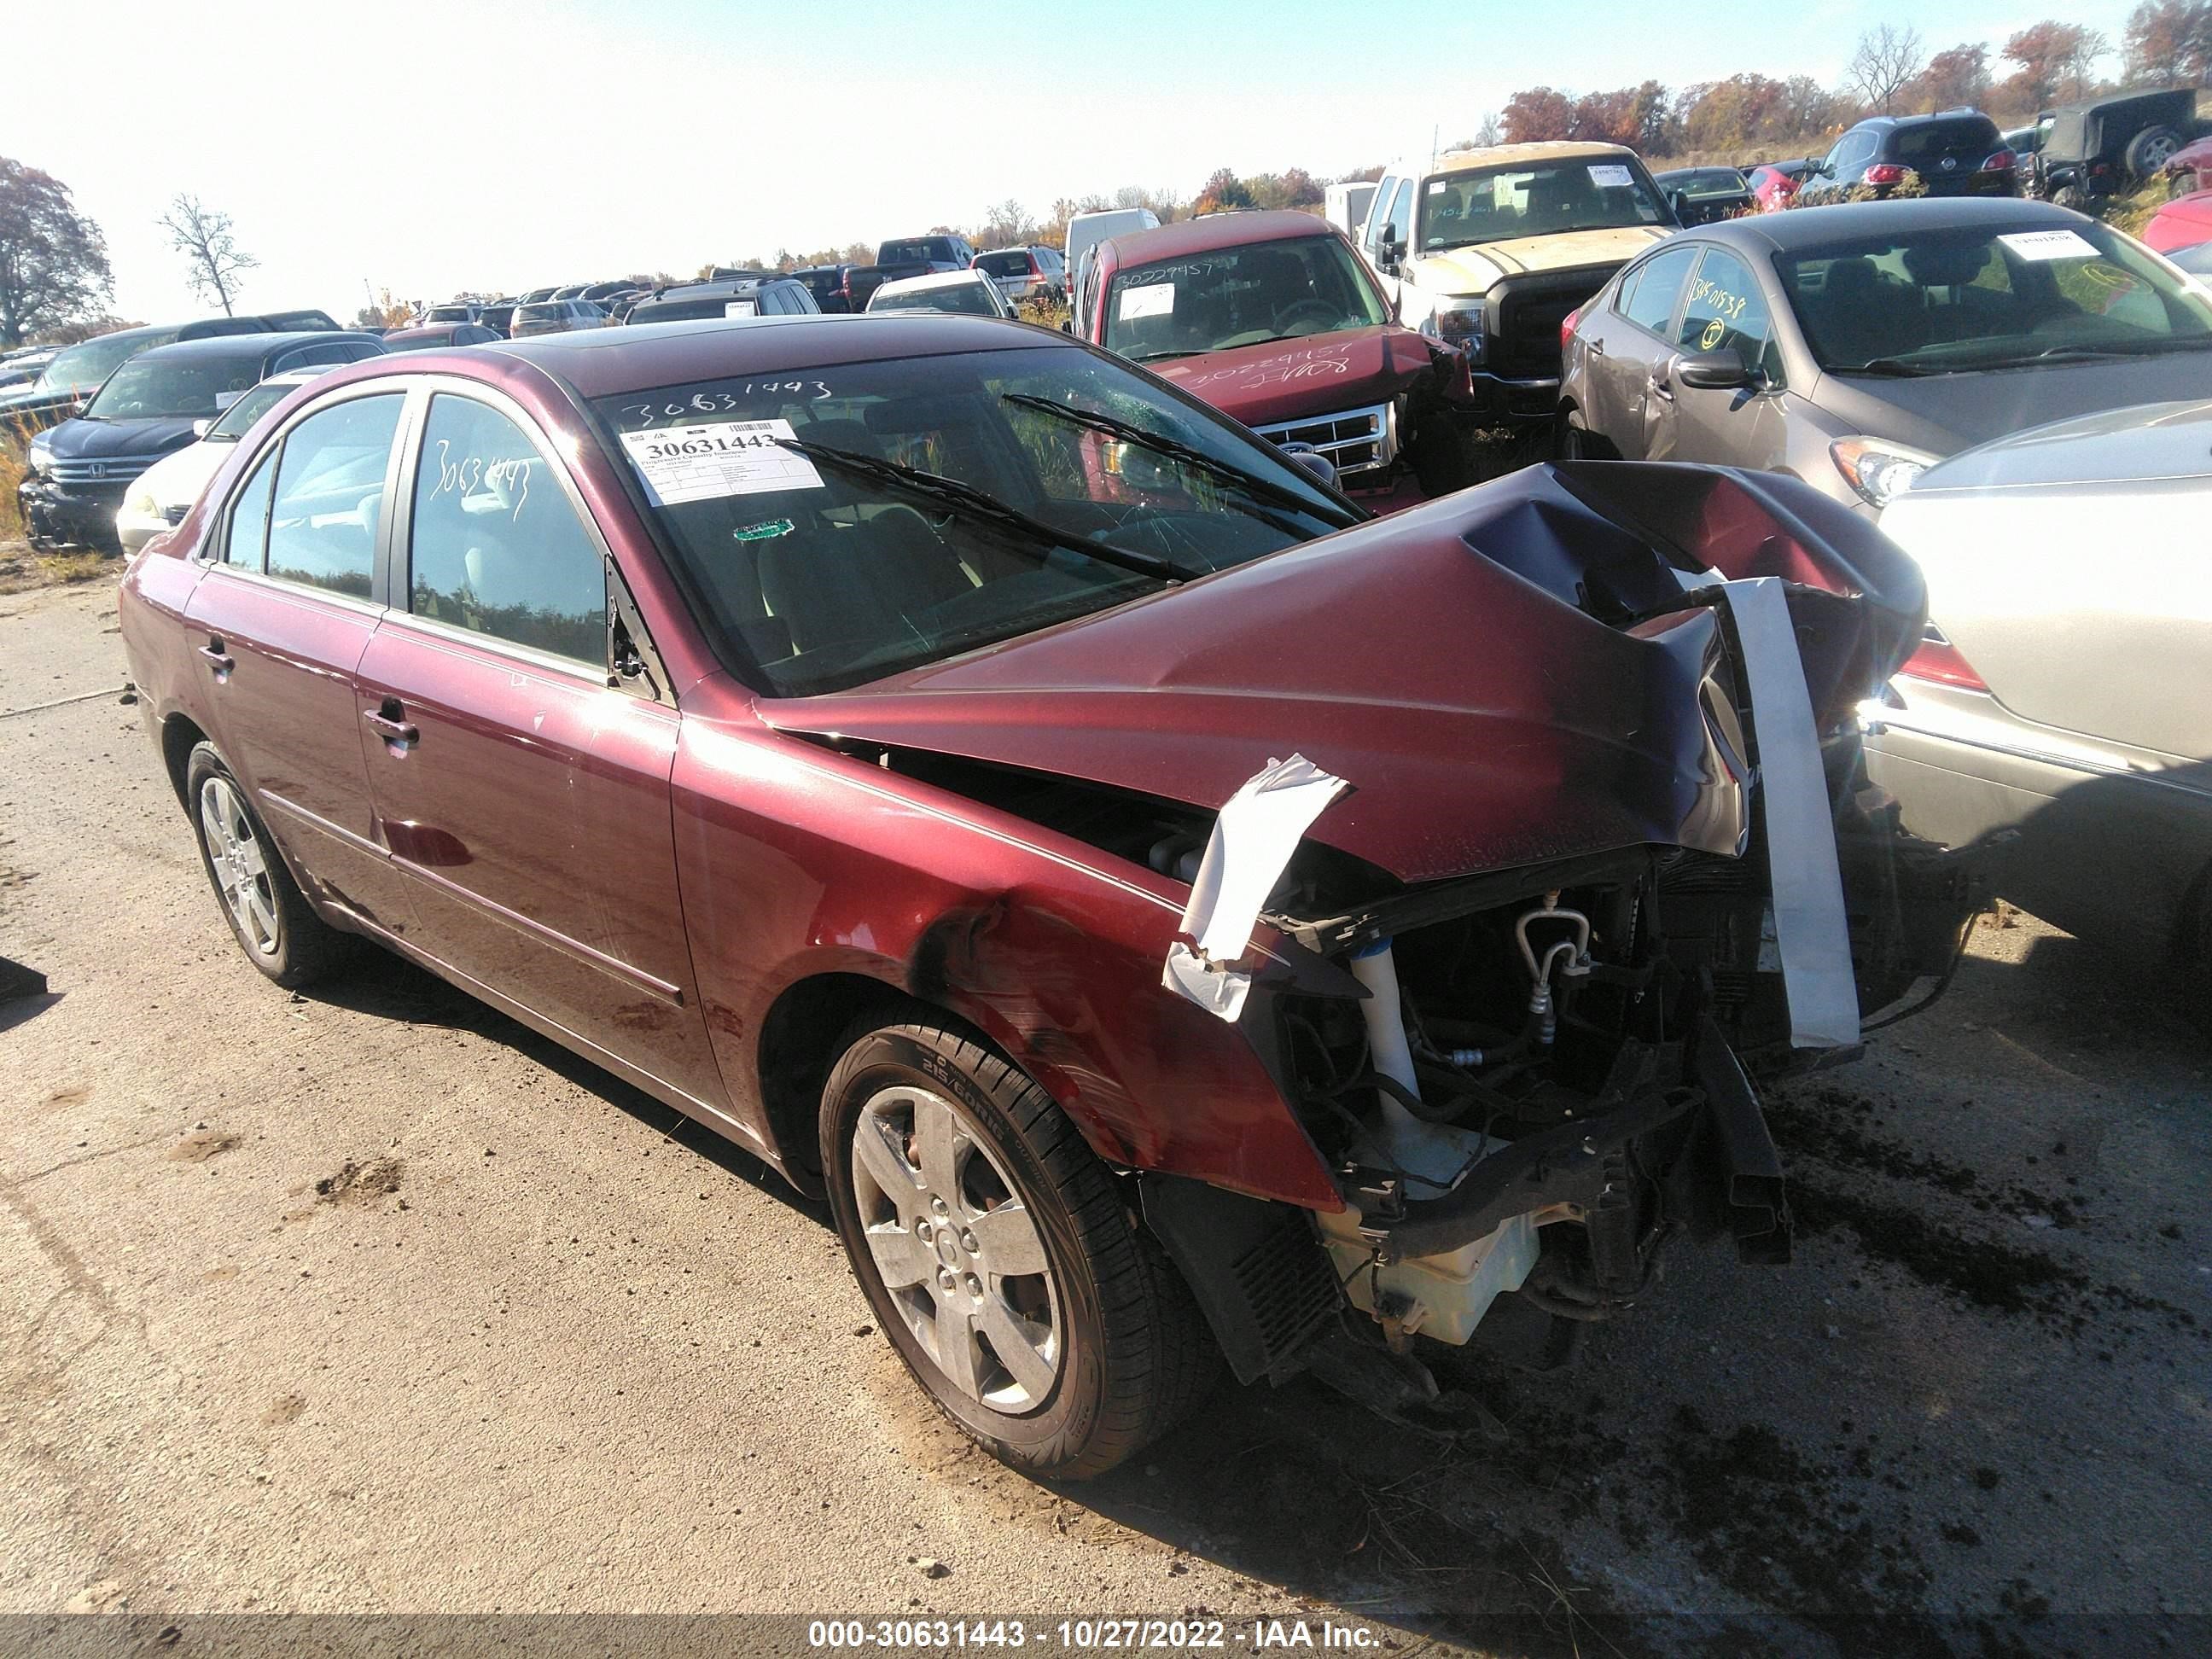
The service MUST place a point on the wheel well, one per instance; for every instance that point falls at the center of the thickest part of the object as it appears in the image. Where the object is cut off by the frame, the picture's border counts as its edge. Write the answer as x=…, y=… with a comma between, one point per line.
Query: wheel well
x=179, y=735
x=798, y=1047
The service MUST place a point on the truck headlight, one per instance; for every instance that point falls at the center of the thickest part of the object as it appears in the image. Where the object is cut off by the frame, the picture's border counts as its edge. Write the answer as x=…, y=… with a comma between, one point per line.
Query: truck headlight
x=1458, y=324
x=1879, y=469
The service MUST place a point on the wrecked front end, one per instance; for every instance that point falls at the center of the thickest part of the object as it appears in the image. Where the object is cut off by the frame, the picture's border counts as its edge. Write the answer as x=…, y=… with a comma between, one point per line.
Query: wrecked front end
x=1563, y=839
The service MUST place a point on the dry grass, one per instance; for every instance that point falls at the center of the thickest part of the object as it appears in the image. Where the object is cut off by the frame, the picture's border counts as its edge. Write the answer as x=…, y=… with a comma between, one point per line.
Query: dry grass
x=22, y=570
x=11, y=474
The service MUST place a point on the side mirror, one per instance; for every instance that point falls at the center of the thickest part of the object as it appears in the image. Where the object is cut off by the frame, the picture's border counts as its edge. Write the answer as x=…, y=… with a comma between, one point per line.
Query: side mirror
x=1067, y=326
x=201, y=427
x=1306, y=456
x=1721, y=370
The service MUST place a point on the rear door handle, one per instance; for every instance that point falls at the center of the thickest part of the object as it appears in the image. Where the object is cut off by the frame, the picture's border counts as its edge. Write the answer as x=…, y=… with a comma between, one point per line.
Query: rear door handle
x=218, y=658
x=389, y=722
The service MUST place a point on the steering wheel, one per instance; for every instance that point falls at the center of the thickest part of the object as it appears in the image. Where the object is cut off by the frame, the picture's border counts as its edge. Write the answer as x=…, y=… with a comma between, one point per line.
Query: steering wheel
x=1320, y=311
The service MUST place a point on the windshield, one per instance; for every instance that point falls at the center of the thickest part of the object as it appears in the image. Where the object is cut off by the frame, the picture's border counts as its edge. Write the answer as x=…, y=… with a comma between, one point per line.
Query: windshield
x=826, y=576
x=1239, y=297
x=239, y=417
x=172, y=388
x=447, y=314
x=96, y=359
x=1945, y=300
x=968, y=299
x=1554, y=198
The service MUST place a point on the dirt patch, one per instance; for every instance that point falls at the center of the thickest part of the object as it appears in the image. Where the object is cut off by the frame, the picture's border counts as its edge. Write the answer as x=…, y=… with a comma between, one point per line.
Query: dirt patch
x=202, y=1144
x=22, y=571
x=1832, y=1127
x=284, y=1408
x=361, y=1184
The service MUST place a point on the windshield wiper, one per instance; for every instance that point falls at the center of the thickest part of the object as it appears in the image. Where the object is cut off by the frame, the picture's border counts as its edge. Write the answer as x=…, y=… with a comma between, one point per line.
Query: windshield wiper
x=1129, y=433
x=2147, y=347
x=1161, y=356
x=1895, y=366
x=982, y=506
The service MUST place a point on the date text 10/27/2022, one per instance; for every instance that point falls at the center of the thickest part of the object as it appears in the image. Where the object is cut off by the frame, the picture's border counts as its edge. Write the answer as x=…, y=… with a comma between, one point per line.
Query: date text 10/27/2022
x=1087, y=1635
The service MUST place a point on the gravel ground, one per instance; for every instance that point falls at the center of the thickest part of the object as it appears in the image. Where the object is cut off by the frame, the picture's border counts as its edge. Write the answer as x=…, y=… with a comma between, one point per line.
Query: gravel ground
x=373, y=1300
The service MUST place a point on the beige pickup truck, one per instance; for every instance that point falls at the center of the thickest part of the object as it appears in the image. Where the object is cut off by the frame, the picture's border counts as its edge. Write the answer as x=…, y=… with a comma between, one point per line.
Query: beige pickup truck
x=1489, y=250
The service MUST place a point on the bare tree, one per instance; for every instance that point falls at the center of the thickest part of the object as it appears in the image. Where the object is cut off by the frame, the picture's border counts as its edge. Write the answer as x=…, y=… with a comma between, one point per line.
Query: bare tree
x=1886, y=60
x=213, y=263
x=1489, y=130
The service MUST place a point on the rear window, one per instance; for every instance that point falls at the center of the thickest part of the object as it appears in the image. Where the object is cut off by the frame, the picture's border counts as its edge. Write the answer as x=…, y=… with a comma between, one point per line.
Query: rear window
x=1003, y=264
x=1974, y=134
x=925, y=249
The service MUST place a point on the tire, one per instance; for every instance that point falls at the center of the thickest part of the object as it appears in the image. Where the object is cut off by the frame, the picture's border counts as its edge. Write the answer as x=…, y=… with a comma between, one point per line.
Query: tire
x=1573, y=443
x=268, y=916
x=2147, y=152
x=1442, y=455
x=923, y=1129
x=2074, y=197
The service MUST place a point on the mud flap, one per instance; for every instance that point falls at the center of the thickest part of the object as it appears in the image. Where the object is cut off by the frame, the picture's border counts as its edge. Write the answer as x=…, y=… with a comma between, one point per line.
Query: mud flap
x=1255, y=1269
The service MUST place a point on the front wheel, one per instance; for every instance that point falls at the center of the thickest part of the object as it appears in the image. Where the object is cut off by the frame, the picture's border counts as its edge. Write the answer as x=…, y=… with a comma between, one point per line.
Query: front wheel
x=999, y=1258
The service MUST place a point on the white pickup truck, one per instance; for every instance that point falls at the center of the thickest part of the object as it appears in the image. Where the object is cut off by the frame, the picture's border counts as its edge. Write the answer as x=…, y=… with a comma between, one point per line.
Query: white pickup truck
x=1489, y=250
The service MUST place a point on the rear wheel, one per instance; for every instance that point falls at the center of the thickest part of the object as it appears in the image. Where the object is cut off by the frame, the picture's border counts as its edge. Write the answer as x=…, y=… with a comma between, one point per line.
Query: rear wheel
x=999, y=1259
x=2150, y=150
x=268, y=916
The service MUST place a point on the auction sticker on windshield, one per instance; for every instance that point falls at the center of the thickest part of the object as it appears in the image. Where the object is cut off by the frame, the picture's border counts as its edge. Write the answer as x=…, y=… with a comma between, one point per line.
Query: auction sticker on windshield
x=1153, y=300
x=729, y=458
x=1611, y=176
x=2037, y=246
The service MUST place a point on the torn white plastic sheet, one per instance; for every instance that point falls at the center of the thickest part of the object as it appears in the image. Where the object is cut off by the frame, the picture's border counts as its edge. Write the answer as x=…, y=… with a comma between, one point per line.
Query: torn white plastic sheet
x=1809, y=928
x=1258, y=830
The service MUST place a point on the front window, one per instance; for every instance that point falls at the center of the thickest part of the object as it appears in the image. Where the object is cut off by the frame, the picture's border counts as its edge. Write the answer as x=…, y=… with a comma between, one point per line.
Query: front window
x=1555, y=199
x=239, y=417
x=825, y=577
x=90, y=363
x=1947, y=299
x=965, y=299
x=173, y=388
x=1239, y=297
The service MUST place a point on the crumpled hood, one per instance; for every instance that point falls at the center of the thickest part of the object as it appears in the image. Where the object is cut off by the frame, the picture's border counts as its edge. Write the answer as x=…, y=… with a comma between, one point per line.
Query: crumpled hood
x=1472, y=270
x=88, y=441
x=1284, y=380
x=1484, y=721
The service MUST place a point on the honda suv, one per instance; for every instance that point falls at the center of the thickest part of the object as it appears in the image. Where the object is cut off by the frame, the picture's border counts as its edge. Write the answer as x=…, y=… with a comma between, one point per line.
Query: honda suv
x=1958, y=153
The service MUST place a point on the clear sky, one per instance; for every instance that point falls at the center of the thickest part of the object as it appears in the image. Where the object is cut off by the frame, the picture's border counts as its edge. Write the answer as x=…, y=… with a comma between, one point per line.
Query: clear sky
x=430, y=146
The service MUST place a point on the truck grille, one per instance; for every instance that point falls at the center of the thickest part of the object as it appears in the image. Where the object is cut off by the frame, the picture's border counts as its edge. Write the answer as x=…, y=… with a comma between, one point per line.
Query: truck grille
x=120, y=470
x=1524, y=317
x=1358, y=440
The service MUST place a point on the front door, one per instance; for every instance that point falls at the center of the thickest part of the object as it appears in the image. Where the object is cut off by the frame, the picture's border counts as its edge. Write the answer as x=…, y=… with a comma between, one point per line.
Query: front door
x=1724, y=310
x=526, y=799
x=280, y=621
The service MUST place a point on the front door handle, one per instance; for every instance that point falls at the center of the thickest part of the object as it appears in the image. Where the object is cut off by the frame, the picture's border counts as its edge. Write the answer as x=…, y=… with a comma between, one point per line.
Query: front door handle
x=1662, y=388
x=218, y=658
x=389, y=721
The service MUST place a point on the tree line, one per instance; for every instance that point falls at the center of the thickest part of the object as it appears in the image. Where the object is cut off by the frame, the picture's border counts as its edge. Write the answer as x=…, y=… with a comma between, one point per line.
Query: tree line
x=1891, y=71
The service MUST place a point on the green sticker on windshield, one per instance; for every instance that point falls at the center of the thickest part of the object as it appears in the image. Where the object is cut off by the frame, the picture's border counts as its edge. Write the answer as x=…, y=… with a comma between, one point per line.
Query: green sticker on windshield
x=769, y=529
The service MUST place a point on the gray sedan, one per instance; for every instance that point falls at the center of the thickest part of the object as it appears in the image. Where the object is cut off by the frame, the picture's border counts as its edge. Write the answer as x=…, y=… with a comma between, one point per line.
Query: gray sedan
x=2061, y=708
x=1856, y=345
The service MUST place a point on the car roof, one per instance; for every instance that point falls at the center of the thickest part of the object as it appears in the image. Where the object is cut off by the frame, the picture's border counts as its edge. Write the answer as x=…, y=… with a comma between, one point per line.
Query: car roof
x=1214, y=232
x=935, y=279
x=603, y=362
x=1923, y=119
x=249, y=345
x=1805, y=229
x=1499, y=155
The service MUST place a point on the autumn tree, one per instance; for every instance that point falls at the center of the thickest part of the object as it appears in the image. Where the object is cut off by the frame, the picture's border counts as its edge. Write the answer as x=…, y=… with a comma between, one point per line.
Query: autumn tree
x=2054, y=60
x=1537, y=114
x=1955, y=78
x=213, y=263
x=2168, y=43
x=1884, y=63
x=1222, y=192
x=54, y=260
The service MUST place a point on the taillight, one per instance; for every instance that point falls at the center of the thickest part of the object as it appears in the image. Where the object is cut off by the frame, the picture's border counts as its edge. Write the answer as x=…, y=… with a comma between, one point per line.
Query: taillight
x=2003, y=161
x=1885, y=173
x=1940, y=661
x=1567, y=326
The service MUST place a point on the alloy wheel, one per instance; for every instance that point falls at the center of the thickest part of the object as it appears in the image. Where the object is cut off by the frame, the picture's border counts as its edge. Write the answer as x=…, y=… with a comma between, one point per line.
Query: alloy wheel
x=959, y=1251
x=241, y=866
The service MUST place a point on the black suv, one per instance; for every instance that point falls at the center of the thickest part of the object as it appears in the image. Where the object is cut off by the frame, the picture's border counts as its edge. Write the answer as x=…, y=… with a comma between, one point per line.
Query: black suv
x=158, y=400
x=76, y=373
x=1957, y=153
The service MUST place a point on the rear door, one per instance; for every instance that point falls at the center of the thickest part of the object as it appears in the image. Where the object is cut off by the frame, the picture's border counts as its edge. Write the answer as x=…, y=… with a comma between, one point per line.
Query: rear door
x=525, y=796
x=1630, y=344
x=280, y=621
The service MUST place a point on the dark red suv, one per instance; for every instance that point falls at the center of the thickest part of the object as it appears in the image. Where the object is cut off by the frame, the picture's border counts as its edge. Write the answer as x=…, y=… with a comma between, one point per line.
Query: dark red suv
x=1161, y=912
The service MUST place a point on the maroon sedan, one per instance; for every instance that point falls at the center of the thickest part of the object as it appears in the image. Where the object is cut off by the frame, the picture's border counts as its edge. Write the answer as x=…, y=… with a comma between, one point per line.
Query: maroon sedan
x=1166, y=915
x=1272, y=318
